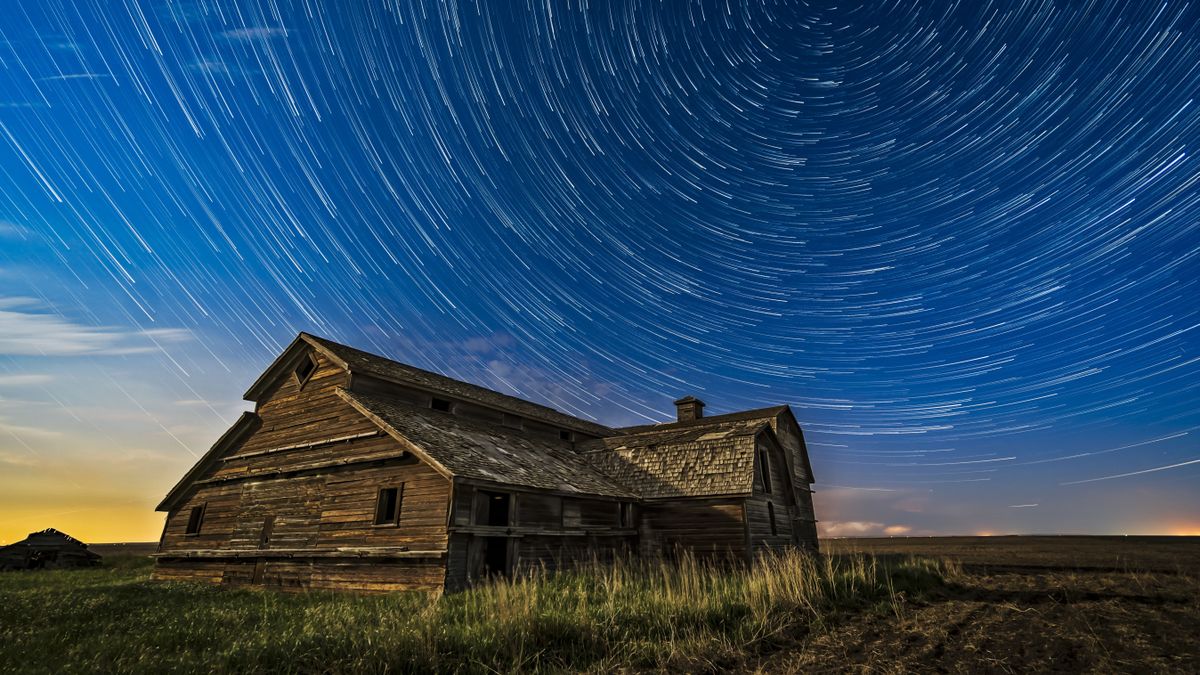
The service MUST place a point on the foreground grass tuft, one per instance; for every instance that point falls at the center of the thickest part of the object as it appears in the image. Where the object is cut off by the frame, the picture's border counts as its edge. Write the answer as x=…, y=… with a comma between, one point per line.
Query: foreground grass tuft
x=633, y=615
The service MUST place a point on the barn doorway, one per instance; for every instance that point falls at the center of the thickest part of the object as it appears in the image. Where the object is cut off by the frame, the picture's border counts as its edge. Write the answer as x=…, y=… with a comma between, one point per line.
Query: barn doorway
x=495, y=557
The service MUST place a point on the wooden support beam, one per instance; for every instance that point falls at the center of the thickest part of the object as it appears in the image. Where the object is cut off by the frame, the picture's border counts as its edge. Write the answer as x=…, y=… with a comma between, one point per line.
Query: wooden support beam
x=348, y=552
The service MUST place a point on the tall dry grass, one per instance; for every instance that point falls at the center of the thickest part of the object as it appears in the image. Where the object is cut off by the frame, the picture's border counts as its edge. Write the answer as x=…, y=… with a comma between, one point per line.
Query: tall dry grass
x=633, y=614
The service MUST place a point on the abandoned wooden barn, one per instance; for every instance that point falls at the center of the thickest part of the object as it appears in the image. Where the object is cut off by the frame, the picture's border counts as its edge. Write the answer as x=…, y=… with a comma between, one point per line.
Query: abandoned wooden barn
x=47, y=549
x=359, y=472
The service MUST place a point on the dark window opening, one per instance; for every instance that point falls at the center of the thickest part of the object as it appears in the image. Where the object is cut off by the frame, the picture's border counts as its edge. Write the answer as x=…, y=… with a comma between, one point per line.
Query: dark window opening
x=495, y=556
x=771, y=516
x=764, y=470
x=566, y=435
x=268, y=528
x=305, y=369
x=195, y=519
x=626, y=517
x=497, y=508
x=440, y=404
x=387, y=507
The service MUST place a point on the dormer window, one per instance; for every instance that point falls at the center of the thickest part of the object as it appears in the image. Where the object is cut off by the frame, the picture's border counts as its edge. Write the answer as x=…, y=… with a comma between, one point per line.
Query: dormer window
x=305, y=369
x=440, y=404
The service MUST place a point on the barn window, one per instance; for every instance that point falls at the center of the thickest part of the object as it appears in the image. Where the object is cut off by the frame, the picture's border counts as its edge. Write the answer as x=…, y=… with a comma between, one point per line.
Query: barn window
x=764, y=469
x=440, y=404
x=195, y=519
x=626, y=516
x=305, y=369
x=387, y=506
x=565, y=435
x=268, y=528
x=771, y=517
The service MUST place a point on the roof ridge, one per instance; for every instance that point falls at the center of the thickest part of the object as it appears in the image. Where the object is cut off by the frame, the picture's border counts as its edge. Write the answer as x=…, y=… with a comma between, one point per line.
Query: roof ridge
x=723, y=418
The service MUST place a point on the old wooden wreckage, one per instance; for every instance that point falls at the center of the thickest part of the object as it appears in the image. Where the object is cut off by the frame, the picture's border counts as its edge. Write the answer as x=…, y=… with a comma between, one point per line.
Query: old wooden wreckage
x=358, y=472
x=47, y=549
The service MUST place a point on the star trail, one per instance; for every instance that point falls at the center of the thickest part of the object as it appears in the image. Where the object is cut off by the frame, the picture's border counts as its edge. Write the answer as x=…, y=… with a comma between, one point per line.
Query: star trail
x=959, y=238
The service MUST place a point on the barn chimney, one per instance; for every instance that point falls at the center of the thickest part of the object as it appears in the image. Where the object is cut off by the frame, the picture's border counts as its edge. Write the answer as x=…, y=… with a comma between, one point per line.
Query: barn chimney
x=689, y=408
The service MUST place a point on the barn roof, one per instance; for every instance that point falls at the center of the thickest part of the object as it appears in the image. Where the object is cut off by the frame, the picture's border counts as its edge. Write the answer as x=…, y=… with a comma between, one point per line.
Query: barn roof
x=772, y=414
x=705, y=457
x=358, y=361
x=471, y=450
x=50, y=538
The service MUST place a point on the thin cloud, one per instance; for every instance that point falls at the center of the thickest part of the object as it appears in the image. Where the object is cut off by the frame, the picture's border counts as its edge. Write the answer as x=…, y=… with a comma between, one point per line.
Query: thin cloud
x=860, y=528
x=24, y=331
x=1022, y=506
x=24, y=380
x=864, y=489
x=1134, y=473
x=1103, y=452
x=76, y=76
x=23, y=432
x=14, y=230
x=254, y=33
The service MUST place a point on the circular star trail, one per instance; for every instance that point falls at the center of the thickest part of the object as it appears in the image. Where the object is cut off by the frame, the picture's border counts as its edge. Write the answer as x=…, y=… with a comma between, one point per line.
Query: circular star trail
x=960, y=238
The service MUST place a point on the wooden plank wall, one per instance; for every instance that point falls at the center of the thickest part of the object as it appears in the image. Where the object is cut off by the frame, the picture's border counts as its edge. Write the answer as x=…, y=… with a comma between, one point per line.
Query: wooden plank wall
x=791, y=438
x=549, y=532
x=320, y=509
x=780, y=496
x=708, y=528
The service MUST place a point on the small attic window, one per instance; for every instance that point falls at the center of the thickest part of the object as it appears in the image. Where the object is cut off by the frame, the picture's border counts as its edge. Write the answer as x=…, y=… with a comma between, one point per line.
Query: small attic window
x=440, y=404
x=564, y=435
x=305, y=369
x=195, y=519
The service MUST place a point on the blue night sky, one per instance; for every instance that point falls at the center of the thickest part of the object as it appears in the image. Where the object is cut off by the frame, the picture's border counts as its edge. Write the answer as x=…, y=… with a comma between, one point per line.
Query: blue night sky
x=960, y=238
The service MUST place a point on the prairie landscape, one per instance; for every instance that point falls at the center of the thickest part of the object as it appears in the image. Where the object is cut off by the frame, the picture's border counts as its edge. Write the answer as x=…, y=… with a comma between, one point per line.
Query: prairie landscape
x=957, y=604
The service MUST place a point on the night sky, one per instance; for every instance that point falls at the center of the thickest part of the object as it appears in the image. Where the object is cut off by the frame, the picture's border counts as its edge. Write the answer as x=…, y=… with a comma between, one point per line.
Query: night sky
x=960, y=238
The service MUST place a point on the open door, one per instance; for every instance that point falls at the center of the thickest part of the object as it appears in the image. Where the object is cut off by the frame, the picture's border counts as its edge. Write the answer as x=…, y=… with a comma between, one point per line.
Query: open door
x=489, y=557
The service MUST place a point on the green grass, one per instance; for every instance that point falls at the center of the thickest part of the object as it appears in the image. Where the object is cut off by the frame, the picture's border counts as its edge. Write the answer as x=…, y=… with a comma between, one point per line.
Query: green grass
x=629, y=616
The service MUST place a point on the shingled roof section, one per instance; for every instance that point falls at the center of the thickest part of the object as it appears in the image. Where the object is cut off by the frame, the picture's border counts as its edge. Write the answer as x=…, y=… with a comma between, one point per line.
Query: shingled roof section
x=711, y=456
x=474, y=451
x=359, y=361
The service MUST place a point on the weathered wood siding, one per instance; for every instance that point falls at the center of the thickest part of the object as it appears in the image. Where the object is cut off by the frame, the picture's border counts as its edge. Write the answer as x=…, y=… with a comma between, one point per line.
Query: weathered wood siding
x=546, y=532
x=780, y=497
x=321, y=496
x=708, y=528
x=792, y=439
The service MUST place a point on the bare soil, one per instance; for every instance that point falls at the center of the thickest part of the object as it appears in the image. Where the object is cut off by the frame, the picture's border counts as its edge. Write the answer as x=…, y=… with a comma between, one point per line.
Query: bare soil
x=1022, y=604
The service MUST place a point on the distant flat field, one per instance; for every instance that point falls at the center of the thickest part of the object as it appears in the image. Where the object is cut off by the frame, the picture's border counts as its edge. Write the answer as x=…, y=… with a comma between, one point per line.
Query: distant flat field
x=1157, y=554
x=125, y=548
x=1024, y=604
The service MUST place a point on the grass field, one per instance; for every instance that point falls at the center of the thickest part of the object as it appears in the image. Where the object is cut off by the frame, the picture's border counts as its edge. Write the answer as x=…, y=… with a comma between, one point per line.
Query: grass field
x=629, y=616
x=960, y=605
